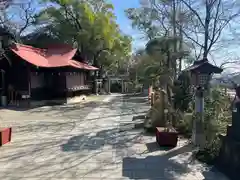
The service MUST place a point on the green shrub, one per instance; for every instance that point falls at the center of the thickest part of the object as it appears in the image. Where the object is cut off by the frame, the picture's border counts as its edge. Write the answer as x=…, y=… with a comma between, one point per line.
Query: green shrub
x=182, y=92
x=216, y=119
x=217, y=116
x=184, y=125
x=210, y=152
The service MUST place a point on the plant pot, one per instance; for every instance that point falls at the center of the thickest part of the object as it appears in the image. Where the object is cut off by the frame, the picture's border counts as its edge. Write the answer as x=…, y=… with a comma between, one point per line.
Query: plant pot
x=5, y=135
x=166, y=138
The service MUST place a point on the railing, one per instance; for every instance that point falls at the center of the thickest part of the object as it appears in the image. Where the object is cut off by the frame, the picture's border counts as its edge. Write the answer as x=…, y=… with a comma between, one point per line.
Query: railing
x=80, y=87
x=229, y=92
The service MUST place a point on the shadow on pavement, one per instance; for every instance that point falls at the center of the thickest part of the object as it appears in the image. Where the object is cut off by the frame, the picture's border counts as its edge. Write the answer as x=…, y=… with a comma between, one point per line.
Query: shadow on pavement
x=131, y=106
x=59, y=154
x=136, y=99
x=153, y=146
x=145, y=165
x=156, y=167
x=212, y=173
x=114, y=137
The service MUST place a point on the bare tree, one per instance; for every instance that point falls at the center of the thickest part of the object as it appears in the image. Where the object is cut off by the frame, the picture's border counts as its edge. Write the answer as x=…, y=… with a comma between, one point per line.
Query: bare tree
x=25, y=17
x=4, y=4
x=209, y=19
x=203, y=23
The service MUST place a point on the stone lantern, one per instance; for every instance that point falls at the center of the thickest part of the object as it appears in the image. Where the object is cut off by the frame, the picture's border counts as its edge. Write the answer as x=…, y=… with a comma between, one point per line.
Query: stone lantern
x=201, y=73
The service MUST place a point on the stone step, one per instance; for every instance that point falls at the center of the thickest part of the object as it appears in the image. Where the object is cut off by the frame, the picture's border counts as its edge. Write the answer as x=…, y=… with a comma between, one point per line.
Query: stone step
x=131, y=125
x=137, y=117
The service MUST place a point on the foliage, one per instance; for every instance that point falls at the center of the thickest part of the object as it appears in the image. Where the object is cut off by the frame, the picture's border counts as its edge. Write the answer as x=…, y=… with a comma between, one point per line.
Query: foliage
x=182, y=92
x=217, y=117
x=200, y=23
x=184, y=124
x=7, y=38
x=162, y=51
x=162, y=71
x=158, y=19
x=140, y=60
x=89, y=26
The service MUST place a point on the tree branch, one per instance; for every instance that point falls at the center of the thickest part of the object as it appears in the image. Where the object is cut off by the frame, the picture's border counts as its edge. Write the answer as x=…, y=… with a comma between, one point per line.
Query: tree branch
x=194, y=11
x=229, y=62
x=98, y=53
x=27, y=18
x=78, y=24
x=189, y=37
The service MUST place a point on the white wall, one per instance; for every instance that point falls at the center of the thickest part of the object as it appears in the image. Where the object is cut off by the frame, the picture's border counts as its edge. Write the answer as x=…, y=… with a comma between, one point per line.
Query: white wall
x=74, y=80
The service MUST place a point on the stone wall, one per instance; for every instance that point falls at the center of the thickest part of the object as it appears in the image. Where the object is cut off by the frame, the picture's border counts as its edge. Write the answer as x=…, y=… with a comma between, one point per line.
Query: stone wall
x=228, y=160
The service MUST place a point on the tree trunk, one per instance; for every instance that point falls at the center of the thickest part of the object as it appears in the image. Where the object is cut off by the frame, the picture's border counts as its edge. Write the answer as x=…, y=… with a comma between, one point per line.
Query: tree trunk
x=181, y=39
x=206, y=29
x=174, y=65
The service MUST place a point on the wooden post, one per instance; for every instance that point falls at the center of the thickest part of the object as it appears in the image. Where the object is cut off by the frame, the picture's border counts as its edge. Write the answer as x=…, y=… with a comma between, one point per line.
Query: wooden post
x=152, y=98
x=149, y=93
x=122, y=86
x=29, y=87
x=4, y=91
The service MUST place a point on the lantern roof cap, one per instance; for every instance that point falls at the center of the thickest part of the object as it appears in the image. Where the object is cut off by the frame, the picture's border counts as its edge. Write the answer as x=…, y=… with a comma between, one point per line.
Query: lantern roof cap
x=203, y=66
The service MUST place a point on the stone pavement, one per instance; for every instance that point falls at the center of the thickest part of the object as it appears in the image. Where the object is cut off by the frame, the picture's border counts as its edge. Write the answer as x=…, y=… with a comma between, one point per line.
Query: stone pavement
x=94, y=144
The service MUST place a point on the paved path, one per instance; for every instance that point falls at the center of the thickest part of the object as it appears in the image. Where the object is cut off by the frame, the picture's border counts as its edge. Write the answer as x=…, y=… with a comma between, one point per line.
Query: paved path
x=95, y=145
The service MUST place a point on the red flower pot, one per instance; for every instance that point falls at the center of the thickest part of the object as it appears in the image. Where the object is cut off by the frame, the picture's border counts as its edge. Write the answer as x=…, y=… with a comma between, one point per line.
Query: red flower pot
x=166, y=138
x=5, y=135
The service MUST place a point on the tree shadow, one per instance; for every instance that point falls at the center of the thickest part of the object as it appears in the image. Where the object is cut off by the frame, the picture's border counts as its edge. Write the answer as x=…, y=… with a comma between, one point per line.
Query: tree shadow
x=142, y=99
x=211, y=173
x=24, y=105
x=139, y=116
x=52, y=150
x=92, y=141
x=54, y=103
x=156, y=167
x=41, y=159
x=153, y=146
x=45, y=127
x=75, y=112
x=71, y=111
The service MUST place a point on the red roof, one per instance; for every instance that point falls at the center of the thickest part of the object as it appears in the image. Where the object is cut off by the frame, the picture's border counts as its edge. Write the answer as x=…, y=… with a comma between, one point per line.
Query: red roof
x=55, y=56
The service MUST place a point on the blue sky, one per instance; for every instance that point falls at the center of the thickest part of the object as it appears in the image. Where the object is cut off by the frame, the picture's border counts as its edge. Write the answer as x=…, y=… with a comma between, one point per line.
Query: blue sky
x=125, y=23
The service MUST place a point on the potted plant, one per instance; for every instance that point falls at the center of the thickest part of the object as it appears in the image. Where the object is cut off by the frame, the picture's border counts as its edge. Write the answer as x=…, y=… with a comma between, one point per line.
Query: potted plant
x=167, y=136
x=5, y=135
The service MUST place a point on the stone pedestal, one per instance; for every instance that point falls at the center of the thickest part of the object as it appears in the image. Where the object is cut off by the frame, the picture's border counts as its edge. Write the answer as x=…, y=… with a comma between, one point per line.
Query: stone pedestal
x=198, y=137
x=97, y=85
x=106, y=86
x=228, y=160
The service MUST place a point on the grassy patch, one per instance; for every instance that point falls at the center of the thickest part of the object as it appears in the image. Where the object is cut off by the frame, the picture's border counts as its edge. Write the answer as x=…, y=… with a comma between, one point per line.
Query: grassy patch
x=184, y=126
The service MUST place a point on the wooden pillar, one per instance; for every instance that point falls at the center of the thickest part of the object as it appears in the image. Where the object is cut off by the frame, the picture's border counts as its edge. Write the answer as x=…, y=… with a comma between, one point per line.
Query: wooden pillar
x=122, y=86
x=29, y=87
x=109, y=85
x=4, y=90
x=96, y=86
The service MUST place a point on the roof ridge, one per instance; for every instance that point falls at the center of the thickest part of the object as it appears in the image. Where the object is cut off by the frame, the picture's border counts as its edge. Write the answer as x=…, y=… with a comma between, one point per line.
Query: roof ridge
x=41, y=51
x=28, y=46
